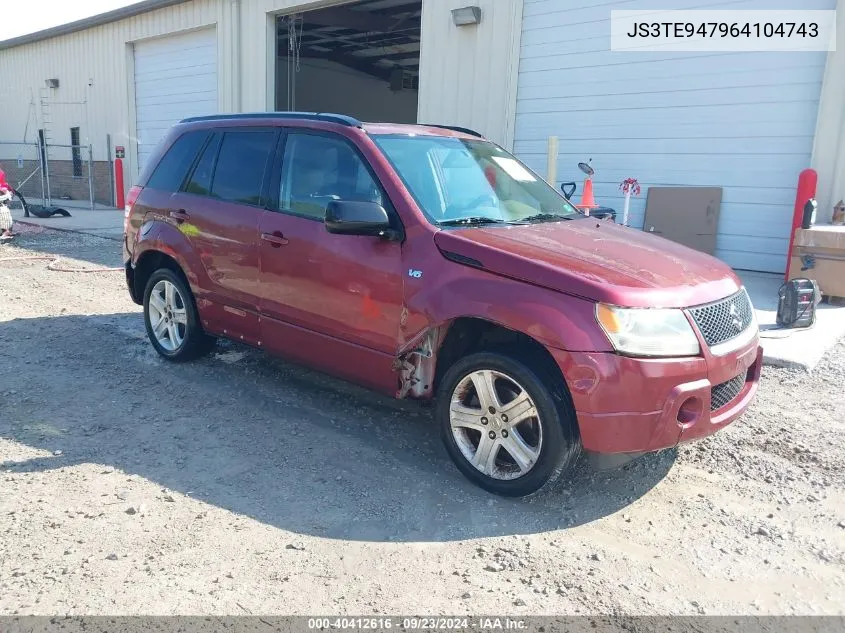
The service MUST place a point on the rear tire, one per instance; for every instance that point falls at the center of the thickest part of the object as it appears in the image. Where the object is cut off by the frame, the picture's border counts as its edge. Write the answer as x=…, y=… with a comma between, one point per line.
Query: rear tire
x=171, y=318
x=23, y=203
x=509, y=428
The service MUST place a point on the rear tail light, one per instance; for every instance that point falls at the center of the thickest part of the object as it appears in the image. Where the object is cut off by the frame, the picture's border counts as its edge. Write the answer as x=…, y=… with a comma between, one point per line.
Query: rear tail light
x=130, y=201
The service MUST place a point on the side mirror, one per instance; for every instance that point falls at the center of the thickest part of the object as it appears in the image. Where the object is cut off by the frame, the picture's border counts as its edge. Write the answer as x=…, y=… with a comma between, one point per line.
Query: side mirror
x=568, y=188
x=349, y=217
x=587, y=168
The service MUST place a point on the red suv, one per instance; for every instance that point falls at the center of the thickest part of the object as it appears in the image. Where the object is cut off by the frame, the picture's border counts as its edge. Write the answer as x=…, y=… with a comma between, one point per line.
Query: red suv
x=426, y=262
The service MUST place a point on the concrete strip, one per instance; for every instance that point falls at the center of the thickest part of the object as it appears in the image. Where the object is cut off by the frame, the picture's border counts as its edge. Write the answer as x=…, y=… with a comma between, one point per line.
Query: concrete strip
x=105, y=223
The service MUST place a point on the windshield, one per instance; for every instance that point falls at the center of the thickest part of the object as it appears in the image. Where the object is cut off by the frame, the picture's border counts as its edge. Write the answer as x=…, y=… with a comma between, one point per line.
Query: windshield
x=461, y=182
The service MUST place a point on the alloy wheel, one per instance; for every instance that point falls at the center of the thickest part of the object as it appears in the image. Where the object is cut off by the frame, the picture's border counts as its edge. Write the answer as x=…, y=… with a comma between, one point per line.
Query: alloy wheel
x=168, y=316
x=496, y=424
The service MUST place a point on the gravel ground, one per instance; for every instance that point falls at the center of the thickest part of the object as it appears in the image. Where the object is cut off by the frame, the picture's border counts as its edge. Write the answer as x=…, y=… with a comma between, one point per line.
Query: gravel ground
x=245, y=484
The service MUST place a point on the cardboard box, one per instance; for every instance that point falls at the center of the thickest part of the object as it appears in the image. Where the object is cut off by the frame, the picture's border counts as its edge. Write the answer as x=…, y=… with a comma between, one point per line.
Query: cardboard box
x=822, y=236
x=819, y=254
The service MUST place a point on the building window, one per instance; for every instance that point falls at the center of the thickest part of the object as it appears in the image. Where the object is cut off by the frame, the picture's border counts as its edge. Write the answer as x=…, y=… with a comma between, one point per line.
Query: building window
x=76, y=152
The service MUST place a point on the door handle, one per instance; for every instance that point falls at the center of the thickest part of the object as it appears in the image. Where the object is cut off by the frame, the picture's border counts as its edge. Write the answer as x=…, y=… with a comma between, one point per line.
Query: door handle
x=275, y=238
x=180, y=216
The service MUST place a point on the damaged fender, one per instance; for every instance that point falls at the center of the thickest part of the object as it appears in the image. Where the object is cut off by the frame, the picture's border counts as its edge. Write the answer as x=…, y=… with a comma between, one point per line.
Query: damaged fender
x=553, y=319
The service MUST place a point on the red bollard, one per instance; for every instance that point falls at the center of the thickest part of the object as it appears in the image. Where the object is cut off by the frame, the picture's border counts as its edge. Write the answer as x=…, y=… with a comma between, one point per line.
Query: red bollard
x=120, y=152
x=806, y=189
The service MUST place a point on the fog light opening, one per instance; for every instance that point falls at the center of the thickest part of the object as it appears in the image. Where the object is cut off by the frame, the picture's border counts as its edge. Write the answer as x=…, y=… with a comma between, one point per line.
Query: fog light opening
x=690, y=411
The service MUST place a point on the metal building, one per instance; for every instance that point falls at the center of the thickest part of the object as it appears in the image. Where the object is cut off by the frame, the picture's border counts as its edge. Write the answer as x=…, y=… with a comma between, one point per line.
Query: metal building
x=519, y=71
x=743, y=121
x=122, y=78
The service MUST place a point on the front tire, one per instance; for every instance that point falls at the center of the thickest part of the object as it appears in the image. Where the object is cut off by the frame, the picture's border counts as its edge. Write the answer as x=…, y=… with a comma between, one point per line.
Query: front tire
x=171, y=319
x=508, y=428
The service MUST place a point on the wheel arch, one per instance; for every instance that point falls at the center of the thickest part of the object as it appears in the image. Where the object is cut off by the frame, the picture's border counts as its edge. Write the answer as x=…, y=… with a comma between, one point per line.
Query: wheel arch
x=161, y=245
x=148, y=262
x=425, y=363
x=468, y=335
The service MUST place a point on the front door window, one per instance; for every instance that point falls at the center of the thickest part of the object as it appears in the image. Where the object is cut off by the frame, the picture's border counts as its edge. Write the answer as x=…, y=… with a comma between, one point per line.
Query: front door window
x=319, y=169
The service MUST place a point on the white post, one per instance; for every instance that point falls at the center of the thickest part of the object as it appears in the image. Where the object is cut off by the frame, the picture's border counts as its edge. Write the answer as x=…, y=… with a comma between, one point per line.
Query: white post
x=91, y=175
x=551, y=164
x=626, y=207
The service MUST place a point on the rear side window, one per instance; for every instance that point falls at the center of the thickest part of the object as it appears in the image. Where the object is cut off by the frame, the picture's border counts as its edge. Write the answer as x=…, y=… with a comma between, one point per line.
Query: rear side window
x=174, y=165
x=200, y=182
x=241, y=165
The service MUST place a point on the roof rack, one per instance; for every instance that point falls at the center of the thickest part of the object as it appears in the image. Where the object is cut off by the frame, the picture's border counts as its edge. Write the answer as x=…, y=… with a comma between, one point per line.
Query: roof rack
x=327, y=117
x=455, y=128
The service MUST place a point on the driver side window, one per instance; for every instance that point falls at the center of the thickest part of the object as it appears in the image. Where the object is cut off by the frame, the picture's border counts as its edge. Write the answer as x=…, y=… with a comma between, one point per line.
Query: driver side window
x=317, y=169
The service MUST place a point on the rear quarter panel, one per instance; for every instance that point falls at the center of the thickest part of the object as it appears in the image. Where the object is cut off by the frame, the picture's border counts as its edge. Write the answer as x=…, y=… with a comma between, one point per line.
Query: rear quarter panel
x=157, y=235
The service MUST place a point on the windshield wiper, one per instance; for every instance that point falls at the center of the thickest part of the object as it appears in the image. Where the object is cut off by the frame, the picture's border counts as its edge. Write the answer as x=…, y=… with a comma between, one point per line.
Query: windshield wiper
x=546, y=217
x=472, y=220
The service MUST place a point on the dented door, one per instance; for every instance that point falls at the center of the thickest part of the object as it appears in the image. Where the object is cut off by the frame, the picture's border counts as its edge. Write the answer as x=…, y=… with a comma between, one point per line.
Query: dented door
x=332, y=301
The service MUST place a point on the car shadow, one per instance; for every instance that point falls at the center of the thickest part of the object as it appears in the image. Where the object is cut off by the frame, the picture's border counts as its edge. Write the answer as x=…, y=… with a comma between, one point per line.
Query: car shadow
x=265, y=438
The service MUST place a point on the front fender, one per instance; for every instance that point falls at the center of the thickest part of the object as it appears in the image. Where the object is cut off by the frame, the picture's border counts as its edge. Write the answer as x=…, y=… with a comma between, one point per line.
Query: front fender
x=552, y=318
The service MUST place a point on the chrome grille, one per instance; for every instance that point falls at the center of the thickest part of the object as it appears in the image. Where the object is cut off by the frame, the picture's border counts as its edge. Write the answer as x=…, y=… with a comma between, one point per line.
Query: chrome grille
x=723, y=394
x=725, y=319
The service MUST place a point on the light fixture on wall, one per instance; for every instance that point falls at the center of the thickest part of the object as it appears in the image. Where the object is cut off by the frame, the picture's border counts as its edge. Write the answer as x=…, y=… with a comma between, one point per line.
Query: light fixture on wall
x=466, y=16
x=52, y=83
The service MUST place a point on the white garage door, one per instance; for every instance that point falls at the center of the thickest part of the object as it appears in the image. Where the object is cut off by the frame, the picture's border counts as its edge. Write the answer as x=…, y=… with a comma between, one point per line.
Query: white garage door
x=741, y=121
x=175, y=78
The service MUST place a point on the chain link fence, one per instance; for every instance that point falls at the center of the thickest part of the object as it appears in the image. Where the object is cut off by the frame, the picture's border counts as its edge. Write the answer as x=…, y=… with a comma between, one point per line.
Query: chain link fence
x=57, y=175
x=23, y=166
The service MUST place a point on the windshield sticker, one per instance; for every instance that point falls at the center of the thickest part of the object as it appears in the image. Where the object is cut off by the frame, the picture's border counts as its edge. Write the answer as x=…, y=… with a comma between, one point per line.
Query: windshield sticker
x=514, y=169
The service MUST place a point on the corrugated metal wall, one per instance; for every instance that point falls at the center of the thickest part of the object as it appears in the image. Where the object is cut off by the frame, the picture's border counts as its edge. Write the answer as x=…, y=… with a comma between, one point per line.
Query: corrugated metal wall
x=829, y=147
x=742, y=121
x=101, y=57
x=468, y=74
x=477, y=89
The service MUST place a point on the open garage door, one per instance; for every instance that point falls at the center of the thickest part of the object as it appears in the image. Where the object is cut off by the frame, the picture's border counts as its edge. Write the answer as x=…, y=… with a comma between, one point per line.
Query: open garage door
x=175, y=78
x=361, y=59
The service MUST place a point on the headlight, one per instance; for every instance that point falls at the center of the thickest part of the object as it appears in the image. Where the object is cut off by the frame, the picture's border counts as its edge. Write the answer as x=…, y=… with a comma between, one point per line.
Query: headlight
x=647, y=331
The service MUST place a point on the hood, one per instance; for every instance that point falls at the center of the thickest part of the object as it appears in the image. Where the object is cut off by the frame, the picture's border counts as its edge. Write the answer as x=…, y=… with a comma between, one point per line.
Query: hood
x=597, y=260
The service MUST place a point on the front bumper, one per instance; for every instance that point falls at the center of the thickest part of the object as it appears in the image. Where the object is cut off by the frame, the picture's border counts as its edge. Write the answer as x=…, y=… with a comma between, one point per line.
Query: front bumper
x=632, y=405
